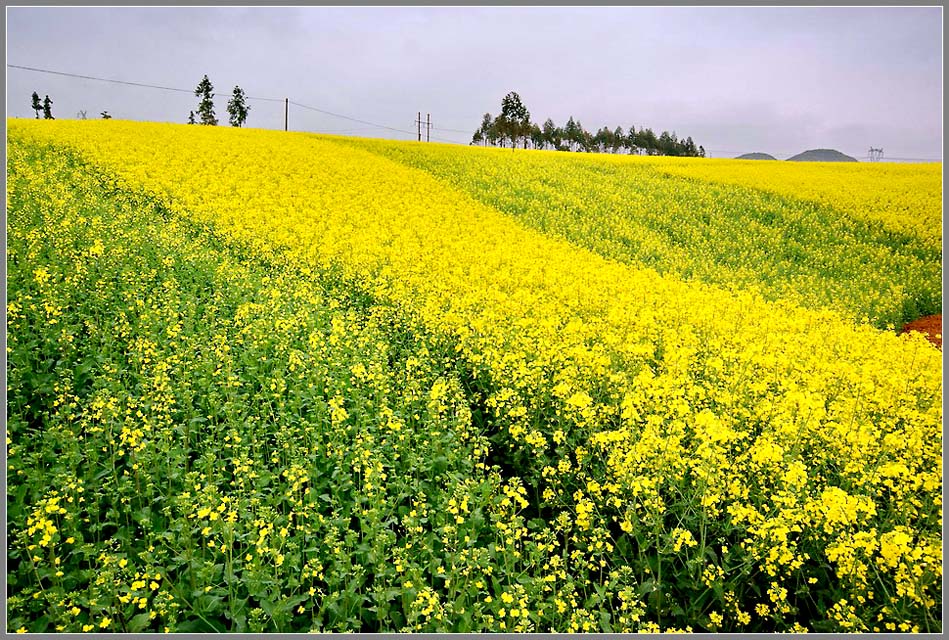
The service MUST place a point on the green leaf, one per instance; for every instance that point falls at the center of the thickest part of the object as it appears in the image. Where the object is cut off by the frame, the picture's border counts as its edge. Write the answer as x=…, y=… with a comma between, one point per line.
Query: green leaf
x=139, y=623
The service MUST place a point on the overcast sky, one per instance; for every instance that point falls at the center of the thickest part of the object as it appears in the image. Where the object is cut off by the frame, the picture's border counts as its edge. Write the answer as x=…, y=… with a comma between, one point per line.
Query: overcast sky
x=777, y=80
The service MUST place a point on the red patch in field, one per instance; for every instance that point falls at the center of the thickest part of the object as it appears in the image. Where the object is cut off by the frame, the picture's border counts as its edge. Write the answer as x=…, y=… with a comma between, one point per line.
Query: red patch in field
x=930, y=325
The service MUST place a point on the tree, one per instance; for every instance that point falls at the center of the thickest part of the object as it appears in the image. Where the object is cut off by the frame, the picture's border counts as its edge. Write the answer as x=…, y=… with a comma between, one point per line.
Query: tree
x=503, y=129
x=646, y=139
x=105, y=115
x=237, y=108
x=578, y=136
x=631, y=140
x=603, y=139
x=205, y=91
x=489, y=132
x=537, y=137
x=690, y=149
x=515, y=118
x=493, y=134
x=37, y=106
x=619, y=139
x=551, y=134
x=586, y=141
x=81, y=114
x=483, y=134
x=191, y=117
x=570, y=132
x=48, y=109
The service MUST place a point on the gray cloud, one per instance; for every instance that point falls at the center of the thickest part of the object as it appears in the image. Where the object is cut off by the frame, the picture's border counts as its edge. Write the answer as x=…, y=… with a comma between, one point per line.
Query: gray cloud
x=744, y=79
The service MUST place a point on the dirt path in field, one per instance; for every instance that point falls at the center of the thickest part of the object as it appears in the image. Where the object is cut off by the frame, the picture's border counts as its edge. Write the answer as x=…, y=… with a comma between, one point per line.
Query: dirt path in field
x=930, y=325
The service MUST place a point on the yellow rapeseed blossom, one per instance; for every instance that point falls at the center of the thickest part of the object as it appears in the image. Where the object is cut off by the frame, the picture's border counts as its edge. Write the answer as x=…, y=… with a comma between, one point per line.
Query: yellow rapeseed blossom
x=633, y=412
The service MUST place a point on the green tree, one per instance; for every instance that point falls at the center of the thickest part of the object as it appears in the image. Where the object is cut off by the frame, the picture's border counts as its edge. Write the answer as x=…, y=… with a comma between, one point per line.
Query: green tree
x=191, y=117
x=105, y=115
x=516, y=118
x=205, y=91
x=494, y=134
x=570, y=133
x=690, y=149
x=578, y=136
x=587, y=143
x=646, y=139
x=551, y=134
x=48, y=109
x=603, y=140
x=619, y=140
x=37, y=106
x=537, y=136
x=482, y=135
x=631, y=140
x=503, y=130
x=237, y=108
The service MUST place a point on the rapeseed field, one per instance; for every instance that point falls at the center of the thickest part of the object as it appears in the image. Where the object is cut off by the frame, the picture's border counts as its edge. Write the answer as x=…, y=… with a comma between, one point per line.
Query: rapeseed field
x=262, y=381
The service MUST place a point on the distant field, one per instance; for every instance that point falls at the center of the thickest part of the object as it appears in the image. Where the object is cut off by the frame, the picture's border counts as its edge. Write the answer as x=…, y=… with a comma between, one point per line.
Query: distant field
x=904, y=198
x=262, y=381
x=869, y=248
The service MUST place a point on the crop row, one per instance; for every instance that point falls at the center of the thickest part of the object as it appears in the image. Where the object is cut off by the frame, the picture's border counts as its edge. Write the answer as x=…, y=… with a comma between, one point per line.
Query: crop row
x=676, y=455
x=201, y=442
x=904, y=198
x=657, y=213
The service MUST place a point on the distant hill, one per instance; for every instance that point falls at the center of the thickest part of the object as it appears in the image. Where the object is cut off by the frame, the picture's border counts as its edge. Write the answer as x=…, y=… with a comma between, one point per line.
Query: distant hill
x=822, y=155
x=756, y=156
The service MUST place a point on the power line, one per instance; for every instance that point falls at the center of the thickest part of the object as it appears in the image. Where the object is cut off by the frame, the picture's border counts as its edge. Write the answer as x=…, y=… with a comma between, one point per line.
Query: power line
x=339, y=115
x=452, y=130
x=190, y=91
x=371, y=124
x=347, y=130
x=126, y=82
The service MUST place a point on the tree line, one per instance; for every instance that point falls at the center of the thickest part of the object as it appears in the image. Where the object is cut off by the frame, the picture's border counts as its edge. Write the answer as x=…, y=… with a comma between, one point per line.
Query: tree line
x=513, y=127
x=237, y=107
x=46, y=106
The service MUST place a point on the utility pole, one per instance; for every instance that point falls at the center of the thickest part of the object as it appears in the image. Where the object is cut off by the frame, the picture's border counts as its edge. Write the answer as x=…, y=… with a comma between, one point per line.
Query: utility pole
x=418, y=121
x=428, y=127
x=286, y=114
